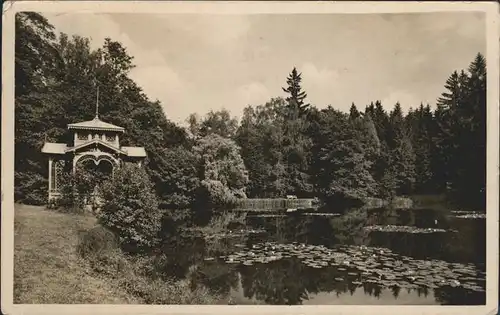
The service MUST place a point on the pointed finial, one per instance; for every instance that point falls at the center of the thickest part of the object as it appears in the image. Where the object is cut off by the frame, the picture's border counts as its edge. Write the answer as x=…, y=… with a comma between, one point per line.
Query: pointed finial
x=97, y=105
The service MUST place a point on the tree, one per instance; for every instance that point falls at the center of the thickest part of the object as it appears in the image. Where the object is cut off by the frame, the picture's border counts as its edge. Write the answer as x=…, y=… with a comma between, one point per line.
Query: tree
x=222, y=171
x=260, y=139
x=176, y=177
x=56, y=82
x=296, y=143
x=475, y=178
x=366, y=133
x=35, y=57
x=460, y=137
x=296, y=97
x=402, y=156
x=215, y=122
x=447, y=129
x=296, y=149
x=353, y=112
x=421, y=127
x=34, y=52
x=342, y=171
x=130, y=208
x=76, y=191
x=466, y=105
x=382, y=162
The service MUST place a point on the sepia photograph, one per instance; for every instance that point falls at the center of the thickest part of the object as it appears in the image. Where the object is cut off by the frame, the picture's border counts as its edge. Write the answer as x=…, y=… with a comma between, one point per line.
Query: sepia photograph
x=251, y=158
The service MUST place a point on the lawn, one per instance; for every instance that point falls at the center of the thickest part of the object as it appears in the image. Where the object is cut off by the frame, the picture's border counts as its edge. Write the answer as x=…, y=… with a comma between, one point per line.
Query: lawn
x=47, y=268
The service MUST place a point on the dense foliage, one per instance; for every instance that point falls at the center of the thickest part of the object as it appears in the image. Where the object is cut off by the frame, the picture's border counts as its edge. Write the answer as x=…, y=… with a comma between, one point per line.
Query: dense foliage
x=222, y=171
x=286, y=146
x=130, y=208
x=76, y=191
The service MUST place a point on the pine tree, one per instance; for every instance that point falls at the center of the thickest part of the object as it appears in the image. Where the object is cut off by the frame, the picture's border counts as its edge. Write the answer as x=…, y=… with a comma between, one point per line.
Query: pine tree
x=353, y=112
x=459, y=151
x=447, y=164
x=402, y=164
x=366, y=134
x=341, y=169
x=420, y=124
x=296, y=97
x=472, y=141
x=381, y=165
x=296, y=143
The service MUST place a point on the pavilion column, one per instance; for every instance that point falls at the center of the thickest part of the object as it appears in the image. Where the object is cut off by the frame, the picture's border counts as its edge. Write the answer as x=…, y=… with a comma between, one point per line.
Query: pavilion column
x=50, y=178
x=74, y=164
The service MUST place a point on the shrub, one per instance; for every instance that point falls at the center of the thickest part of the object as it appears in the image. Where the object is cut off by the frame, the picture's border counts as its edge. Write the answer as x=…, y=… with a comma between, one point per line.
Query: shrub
x=76, y=191
x=96, y=241
x=30, y=188
x=130, y=208
x=141, y=276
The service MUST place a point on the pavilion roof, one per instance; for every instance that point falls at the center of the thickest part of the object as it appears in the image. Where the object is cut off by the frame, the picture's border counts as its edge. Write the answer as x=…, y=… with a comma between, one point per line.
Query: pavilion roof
x=54, y=148
x=135, y=151
x=62, y=148
x=95, y=141
x=96, y=124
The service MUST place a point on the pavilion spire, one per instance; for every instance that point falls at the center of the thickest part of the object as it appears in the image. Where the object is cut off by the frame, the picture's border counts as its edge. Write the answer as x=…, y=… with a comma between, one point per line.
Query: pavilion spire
x=97, y=105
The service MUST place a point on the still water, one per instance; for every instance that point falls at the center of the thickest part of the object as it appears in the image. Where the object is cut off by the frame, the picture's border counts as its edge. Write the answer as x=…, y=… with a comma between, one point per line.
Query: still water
x=314, y=253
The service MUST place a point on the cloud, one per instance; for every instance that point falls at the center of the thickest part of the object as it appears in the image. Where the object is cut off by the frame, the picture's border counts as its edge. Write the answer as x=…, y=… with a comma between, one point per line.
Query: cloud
x=163, y=84
x=254, y=93
x=198, y=62
x=317, y=76
x=319, y=83
x=212, y=29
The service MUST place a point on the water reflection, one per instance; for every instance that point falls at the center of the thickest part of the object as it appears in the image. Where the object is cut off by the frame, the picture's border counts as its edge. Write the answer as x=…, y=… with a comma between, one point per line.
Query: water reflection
x=291, y=282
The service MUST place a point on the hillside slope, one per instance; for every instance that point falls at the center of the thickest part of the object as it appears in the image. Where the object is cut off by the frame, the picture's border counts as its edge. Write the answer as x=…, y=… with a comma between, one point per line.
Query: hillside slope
x=47, y=268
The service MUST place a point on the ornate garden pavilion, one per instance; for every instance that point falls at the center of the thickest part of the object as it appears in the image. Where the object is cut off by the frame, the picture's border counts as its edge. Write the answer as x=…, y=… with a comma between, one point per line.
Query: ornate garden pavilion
x=91, y=141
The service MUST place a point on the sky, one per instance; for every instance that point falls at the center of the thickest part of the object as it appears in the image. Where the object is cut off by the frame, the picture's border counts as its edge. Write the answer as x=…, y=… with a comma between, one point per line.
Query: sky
x=194, y=63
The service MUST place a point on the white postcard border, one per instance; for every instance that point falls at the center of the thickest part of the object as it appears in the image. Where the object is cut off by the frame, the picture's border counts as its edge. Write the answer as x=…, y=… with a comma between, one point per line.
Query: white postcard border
x=244, y=7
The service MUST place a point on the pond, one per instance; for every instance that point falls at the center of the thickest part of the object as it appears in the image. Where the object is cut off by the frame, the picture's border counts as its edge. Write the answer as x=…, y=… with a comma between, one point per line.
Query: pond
x=360, y=257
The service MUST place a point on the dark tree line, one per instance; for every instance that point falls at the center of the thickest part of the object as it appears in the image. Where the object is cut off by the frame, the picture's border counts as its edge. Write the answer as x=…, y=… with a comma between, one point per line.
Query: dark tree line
x=285, y=146
x=371, y=152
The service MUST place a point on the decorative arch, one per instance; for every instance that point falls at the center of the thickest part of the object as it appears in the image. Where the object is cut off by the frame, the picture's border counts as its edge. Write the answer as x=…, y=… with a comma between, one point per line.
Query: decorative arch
x=98, y=164
x=97, y=159
x=98, y=167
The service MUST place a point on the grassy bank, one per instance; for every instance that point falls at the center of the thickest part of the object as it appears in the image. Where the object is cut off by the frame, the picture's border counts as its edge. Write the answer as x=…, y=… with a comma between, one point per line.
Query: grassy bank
x=49, y=266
